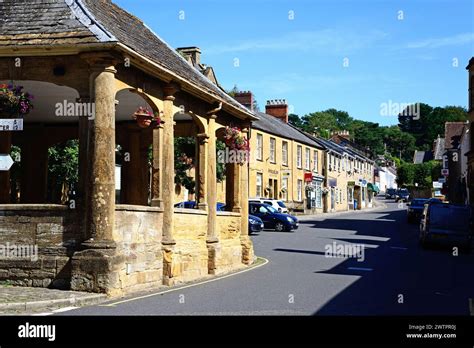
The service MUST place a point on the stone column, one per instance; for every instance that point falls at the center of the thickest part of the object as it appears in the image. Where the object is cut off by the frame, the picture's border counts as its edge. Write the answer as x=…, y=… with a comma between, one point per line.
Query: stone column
x=202, y=141
x=101, y=195
x=247, y=246
x=168, y=174
x=212, y=182
x=157, y=165
x=84, y=125
x=5, y=148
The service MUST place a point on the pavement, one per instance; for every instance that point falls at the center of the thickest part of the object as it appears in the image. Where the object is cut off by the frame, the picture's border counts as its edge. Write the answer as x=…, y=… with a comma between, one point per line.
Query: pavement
x=23, y=300
x=392, y=276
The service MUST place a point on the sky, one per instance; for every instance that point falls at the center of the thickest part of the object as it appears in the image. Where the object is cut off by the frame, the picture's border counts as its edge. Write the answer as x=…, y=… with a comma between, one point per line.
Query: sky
x=360, y=56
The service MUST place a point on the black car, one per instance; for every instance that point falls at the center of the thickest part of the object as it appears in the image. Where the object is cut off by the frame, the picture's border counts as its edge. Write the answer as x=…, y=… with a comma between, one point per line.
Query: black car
x=402, y=195
x=390, y=193
x=447, y=224
x=415, y=209
x=272, y=218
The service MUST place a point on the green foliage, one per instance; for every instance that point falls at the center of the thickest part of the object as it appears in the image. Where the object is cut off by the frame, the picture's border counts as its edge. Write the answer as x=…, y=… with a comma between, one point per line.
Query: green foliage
x=320, y=123
x=422, y=174
x=430, y=123
x=185, y=159
x=295, y=120
x=64, y=162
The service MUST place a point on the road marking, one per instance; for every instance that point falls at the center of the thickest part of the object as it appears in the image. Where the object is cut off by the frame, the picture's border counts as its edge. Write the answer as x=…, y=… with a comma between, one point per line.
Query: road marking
x=186, y=286
x=60, y=310
x=42, y=314
x=398, y=248
x=360, y=269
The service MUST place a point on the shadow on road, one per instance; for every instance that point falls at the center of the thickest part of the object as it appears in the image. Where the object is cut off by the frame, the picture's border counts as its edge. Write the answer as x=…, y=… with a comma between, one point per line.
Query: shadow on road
x=397, y=277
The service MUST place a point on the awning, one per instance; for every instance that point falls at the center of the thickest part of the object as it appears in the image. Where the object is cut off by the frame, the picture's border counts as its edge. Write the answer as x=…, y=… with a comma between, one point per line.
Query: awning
x=372, y=187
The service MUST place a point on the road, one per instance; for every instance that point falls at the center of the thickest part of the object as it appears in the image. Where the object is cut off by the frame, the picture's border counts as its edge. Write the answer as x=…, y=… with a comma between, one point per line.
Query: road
x=397, y=277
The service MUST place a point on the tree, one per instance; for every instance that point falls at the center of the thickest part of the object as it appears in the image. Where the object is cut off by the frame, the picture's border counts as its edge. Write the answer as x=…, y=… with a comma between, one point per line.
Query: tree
x=63, y=168
x=398, y=143
x=343, y=120
x=427, y=122
x=321, y=123
x=368, y=135
x=295, y=120
x=405, y=174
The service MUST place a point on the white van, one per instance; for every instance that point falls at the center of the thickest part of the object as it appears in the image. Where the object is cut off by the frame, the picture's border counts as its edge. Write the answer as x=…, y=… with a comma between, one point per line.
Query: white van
x=275, y=203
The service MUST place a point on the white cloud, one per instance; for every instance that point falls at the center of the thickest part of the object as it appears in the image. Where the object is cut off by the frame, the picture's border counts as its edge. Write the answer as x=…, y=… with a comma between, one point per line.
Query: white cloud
x=324, y=41
x=454, y=40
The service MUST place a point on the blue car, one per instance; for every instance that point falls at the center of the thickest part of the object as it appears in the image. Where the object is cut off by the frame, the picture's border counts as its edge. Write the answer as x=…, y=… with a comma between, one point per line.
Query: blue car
x=193, y=205
x=272, y=219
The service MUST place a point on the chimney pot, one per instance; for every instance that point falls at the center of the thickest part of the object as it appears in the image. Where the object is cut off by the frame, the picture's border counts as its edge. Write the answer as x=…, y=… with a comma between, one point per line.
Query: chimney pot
x=277, y=108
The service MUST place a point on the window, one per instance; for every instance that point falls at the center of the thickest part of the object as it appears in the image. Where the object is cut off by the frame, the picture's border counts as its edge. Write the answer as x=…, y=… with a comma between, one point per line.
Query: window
x=284, y=153
x=344, y=163
x=315, y=161
x=272, y=150
x=259, y=184
x=299, y=150
x=307, y=159
x=284, y=195
x=259, y=147
x=300, y=190
x=338, y=164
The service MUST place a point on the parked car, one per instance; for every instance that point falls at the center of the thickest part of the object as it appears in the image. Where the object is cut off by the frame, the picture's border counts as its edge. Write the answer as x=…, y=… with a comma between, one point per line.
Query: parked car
x=390, y=193
x=402, y=195
x=275, y=203
x=193, y=205
x=255, y=224
x=272, y=218
x=415, y=209
x=447, y=224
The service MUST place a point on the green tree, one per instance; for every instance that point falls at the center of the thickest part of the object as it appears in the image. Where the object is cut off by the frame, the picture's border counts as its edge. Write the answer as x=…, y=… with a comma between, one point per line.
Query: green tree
x=398, y=143
x=63, y=169
x=321, y=123
x=343, y=120
x=295, y=120
x=406, y=174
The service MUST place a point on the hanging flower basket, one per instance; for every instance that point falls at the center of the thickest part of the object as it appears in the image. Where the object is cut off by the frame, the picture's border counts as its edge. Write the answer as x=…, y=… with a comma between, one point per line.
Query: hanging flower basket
x=235, y=139
x=14, y=102
x=145, y=117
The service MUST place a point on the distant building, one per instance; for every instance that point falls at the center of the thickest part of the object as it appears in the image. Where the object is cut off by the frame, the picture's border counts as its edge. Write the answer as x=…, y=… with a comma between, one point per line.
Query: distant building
x=422, y=156
x=454, y=160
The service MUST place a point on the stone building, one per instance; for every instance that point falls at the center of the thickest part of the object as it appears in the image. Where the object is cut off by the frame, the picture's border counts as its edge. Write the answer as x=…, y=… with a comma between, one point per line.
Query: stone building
x=285, y=164
x=470, y=153
x=93, y=53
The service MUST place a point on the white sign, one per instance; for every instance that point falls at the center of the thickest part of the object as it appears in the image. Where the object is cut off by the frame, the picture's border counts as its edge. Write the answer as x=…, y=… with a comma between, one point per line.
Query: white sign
x=442, y=180
x=15, y=124
x=445, y=172
x=437, y=184
x=6, y=163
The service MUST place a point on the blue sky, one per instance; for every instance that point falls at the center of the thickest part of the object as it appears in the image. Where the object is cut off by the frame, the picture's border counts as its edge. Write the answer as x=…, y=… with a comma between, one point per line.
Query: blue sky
x=296, y=49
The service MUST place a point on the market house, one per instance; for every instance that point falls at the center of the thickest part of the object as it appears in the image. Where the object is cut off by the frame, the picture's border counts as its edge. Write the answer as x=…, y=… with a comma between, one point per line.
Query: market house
x=119, y=235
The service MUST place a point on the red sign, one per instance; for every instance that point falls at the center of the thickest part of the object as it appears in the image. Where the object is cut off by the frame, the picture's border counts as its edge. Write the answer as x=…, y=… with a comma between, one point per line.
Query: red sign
x=308, y=177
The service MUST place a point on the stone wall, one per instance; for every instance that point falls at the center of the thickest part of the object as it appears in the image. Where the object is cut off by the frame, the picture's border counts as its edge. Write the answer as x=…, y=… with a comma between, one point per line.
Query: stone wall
x=136, y=261
x=36, y=243
x=229, y=233
x=190, y=254
x=138, y=234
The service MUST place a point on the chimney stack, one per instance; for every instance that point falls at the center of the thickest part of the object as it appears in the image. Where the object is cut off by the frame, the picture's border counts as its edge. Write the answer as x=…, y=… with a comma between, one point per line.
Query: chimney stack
x=245, y=98
x=192, y=54
x=277, y=108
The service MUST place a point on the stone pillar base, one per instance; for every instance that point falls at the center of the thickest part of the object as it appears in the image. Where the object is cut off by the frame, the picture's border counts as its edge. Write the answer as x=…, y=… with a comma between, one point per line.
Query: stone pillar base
x=214, y=255
x=96, y=270
x=248, y=255
x=169, y=267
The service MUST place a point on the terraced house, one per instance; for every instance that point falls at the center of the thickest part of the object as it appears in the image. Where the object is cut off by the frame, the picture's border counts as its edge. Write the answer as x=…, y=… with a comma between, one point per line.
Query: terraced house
x=285, y=163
